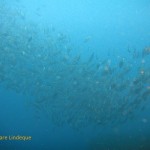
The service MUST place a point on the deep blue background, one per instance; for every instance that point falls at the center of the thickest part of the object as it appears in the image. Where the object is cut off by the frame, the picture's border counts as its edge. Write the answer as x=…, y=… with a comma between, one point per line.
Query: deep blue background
x=112, y=26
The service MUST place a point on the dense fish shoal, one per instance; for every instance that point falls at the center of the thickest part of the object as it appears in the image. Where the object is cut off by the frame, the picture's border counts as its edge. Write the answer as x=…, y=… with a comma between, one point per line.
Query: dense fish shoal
x=71, y=89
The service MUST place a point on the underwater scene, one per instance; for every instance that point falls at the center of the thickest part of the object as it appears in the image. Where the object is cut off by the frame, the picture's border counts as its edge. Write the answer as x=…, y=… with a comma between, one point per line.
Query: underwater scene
x=74, y=75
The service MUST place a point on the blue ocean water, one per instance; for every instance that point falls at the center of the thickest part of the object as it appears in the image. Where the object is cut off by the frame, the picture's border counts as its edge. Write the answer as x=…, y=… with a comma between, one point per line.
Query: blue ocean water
x=75, y=74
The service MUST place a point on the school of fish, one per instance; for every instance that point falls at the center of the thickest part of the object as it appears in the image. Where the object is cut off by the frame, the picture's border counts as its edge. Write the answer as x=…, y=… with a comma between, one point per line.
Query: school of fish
x=71, y=90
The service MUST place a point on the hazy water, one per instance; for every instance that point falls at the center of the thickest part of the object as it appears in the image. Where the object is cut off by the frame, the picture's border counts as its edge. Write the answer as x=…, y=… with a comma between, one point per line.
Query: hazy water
x=112, y=27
